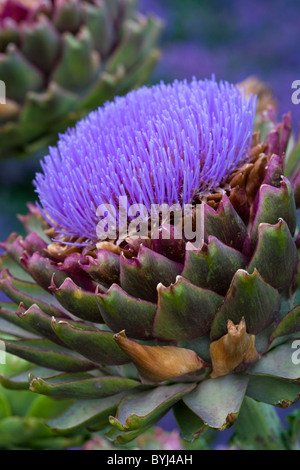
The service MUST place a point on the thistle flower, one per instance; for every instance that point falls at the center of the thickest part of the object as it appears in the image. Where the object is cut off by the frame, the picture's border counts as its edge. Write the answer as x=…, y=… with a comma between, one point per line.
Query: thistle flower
x=60, y=59
x=195, y=133
x=138, y=325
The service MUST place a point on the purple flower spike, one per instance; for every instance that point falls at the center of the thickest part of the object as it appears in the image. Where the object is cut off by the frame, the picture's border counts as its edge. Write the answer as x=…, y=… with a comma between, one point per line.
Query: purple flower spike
x=165, y=144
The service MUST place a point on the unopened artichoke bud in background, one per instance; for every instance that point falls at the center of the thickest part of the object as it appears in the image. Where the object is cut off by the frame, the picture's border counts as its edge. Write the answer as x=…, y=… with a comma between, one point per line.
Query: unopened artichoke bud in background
x=60, y=59
x=265, y=98
x=130, y=326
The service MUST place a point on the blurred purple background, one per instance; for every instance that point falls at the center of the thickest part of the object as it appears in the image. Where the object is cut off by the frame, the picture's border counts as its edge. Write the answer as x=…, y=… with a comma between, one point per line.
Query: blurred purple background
x=232, y=39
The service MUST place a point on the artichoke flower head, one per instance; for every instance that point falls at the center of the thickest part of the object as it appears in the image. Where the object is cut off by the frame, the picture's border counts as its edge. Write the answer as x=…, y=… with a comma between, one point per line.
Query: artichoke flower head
x=160, y=269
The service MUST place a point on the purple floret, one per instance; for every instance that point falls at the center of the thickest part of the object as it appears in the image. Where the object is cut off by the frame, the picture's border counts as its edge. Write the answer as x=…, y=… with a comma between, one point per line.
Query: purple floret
x=165, y=144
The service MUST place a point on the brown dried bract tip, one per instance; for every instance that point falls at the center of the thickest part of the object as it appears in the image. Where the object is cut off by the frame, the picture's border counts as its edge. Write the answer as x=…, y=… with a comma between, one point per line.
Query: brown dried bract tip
x=264, y=94
x=113, y=248
x=236, y=348
x=10, y=109
x=159, y=363
x=109, y=246
x=256, y=177
x=60, y=251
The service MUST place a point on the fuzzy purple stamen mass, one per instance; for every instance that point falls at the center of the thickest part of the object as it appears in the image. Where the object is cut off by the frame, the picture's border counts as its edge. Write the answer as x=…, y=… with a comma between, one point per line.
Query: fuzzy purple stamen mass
x=165, y=144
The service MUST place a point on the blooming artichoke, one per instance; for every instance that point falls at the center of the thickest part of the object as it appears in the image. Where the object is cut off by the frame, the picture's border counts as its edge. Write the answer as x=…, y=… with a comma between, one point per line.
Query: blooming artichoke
x=131, y=318
x=60, y=59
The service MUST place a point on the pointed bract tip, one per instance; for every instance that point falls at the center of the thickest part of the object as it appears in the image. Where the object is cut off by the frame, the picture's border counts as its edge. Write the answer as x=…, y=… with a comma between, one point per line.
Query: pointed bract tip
x=236, y=349
x=159, y=363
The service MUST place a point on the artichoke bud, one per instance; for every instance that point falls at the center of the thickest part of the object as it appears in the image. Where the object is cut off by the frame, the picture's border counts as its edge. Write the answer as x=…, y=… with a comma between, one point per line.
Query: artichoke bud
x=74, y=56
x=159, y=363
x=265, y=97
x=236, y=348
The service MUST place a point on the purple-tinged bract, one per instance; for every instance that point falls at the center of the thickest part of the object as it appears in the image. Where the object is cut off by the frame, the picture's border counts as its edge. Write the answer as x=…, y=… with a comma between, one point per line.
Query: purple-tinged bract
x=165, y=144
